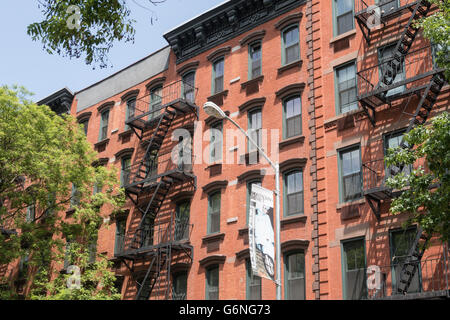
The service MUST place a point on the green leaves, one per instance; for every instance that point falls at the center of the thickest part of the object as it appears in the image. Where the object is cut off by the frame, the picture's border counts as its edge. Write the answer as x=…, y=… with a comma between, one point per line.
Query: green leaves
x=426, y=190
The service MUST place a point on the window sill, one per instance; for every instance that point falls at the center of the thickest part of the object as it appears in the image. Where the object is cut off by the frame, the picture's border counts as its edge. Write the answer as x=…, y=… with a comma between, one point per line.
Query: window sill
x=332, y=123
x=252, y=81
x=291, y=65
x=101, y=143
x=125, y=133
x=289, y=141
x=293, y=219
x=343, y=36
x=243, y=231
x=213, y=237
x=217, y=98
x=214, y=169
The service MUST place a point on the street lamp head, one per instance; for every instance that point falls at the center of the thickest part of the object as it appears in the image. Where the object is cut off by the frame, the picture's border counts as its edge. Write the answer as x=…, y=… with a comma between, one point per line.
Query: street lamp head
x=214, y=110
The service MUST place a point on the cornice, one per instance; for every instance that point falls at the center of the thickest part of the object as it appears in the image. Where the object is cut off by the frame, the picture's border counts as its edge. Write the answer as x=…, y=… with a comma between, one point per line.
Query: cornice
x=292, y=164
x=254, y=36
x=290, y=89
x=191, y=66
x=218, y=53
x=290, y=19
x=105, y=106
x=256, y=102
x=154, y=82
x=130, y=94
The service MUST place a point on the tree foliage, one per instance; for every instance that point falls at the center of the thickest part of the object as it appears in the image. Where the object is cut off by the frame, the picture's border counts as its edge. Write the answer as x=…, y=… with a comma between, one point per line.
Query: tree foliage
x=436, y=28
x=41, y=156
x=426, y=192
x=71, y=28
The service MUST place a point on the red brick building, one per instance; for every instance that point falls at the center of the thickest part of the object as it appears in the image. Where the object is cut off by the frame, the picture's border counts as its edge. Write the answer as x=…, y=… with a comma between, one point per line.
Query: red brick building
x=331, y=100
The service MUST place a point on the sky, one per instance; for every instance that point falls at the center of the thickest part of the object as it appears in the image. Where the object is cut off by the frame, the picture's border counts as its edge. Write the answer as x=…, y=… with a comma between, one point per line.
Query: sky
x=23, y=61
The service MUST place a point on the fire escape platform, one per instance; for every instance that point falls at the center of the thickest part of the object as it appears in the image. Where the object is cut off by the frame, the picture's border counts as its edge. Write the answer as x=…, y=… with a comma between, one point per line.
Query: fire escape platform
x=152, y=181
x=441, y=294
x=151, y=250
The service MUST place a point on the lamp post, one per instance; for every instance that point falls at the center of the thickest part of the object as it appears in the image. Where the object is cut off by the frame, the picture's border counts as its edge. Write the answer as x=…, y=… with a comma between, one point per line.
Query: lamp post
x=214, y=110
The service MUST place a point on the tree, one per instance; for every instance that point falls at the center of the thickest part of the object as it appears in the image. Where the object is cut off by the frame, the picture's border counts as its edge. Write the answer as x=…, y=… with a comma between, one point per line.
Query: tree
x=436, y=28
x=42, y=156
x=426, y=193
x=72, y=28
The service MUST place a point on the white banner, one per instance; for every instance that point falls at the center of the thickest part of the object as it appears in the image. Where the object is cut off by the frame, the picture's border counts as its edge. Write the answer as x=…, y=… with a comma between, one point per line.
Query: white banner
x=261, y=232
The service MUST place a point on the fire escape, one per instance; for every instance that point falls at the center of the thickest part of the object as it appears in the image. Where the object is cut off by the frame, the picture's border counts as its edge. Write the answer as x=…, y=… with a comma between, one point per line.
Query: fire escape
x=154, y=236
x=402, y=71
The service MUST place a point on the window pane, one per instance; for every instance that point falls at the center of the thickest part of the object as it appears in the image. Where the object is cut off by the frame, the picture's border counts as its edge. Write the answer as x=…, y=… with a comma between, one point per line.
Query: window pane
x=291, y=45
x=354, y=270
x=212, y=278
x=253, y=284
x=179, y=286
x=188, y=85
x=295, y=276
x=214, y=213
x=385, y=54
x=346, y=77
x=218, y=76
x=255, y=60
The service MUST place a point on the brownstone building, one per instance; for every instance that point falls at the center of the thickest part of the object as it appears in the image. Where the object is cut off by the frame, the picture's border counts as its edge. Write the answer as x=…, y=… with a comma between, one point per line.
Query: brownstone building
x=325, y=87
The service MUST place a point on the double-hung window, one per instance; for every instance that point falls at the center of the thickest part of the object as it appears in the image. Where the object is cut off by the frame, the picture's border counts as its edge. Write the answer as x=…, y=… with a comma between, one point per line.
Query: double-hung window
x=294, y=270
x=189, y=86
x=155, y=102
x=104, y=125
x=214, y=212
x=218, y=72
x=182, y=216
x=392, y=141
x=74, y=196
x=179, y=287
x=290, y=45
x=249, y=193
x=293, y=117
x=120, y=236
x=216, y=142
x=350, y=174
x=212, y=283
x=346, y=88
x=354, y=269
x=255, y=128
x=255, y=61
x=343, y=13
x=125, y=171
x=293, y=183
x=385, y=56
x=253, y=287
x=85, y=124
x=131, y=109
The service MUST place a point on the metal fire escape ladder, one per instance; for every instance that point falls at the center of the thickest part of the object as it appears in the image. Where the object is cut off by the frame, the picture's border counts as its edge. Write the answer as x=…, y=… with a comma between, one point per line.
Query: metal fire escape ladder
x=394, y=65
x=412, y=261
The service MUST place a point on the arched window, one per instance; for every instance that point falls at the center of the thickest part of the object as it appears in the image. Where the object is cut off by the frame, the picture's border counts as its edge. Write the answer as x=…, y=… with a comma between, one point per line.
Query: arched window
x=290, y=45
x=292, y=116
x=294, y=275
x=293, y=193
x=218, y=72
x=254, y=60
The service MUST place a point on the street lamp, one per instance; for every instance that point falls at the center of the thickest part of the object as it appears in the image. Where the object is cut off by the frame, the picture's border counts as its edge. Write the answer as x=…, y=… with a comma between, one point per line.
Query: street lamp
x=214, y=110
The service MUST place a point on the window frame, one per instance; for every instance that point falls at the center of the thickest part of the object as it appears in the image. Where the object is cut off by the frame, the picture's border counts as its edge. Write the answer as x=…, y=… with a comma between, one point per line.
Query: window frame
x=120, y=223
x=175, y=277
x=103, y=126
x=210, y=269
x=285, y=119
x=249, y=276
x=340, y=173
x=286, y=256
x=284, y=31
x=215, y=158
x=85, y=124
x=335, y=22
x=183, y=81
x=248, y=194
x=285, y=193
x=123, y=169
x=214, y=77
x=337, y=104
x=250, y=59
x=210, y=212
x=155, y=103
x=344, y=268
x=127, y=115
x=250, y=147
x=186, y=223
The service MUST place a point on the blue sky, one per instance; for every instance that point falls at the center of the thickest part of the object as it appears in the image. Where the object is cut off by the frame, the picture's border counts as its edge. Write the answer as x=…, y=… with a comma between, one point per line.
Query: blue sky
x=23, y=62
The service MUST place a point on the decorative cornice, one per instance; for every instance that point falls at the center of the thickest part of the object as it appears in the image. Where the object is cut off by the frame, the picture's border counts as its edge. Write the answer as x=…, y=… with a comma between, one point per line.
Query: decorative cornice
x=296, y=163
x=182, y=196
x=130, y=94
x=155, y=82
x=290, y=19
x=212, y=260
x=252, y=174
x=215, y=186
x=290, y=89
x=191, y=66
x=291, y=65
x=243, y=254
x=84, y=116
x=256, y=102
x=179, y=267
x=252, y=81
x=213, y=237
x=289, y=141
x=224, y=22
x=294, y=219
x=297, y=244
x=254, y=36
x=105, y=106
x=210, y=121
x=218, y=53
x=124, y=152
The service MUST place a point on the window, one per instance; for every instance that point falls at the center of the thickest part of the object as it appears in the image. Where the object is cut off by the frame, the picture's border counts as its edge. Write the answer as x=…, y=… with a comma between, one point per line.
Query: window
x=292, y=111
x=218, y=71
x=74, y=196
x=401, y=241
x=291, y=45
x=253, y=287
x=294, y=275
x=249, y=193
x=216, y=143
x=386, y=54
x=255, y=61
x=255, y=128
x=92, y=249
x=182, y=216
x=152, y=164
x=120, y=236
x=125, y=171
x=148, y=232
x=214, y=213
x=68, y=254
x=85, y=124
x=212, y=283
x=189, y=87
x=343, y=13
x=393, y=140
x=131, y=109
x=346, y=88
x=354, y=269
x=350, y=173
x=31, y=213
x=179, y=289
x=155, y=102
x=104, y=125
x=293, y=184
